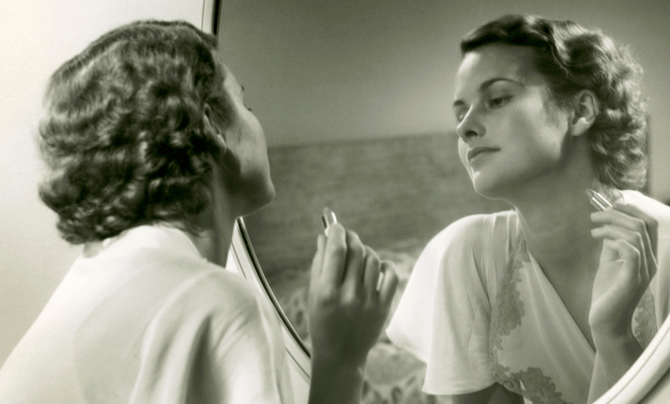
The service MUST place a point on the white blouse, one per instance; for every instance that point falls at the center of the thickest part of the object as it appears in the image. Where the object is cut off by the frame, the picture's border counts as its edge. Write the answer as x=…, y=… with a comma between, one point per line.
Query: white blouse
x=143, y=318
x=478, y=309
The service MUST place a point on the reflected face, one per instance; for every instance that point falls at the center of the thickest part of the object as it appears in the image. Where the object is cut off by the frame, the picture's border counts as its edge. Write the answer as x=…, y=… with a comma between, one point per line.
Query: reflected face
x=509, y=133
x=246, y=139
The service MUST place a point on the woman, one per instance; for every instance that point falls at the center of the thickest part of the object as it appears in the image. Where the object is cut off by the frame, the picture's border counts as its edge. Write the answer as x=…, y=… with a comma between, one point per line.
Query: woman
x=552, y=300
x=152, y=157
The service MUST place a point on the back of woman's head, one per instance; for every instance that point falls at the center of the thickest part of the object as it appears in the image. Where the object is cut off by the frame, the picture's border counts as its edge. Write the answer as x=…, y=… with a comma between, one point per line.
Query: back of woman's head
x=572, y=59
x=124, y=136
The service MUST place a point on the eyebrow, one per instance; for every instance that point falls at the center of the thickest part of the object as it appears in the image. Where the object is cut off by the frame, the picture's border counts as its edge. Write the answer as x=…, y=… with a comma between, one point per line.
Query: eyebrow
x=485, y=85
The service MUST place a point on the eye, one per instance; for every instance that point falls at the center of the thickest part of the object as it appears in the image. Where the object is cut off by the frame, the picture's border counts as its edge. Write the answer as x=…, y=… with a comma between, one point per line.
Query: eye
x=498, y=102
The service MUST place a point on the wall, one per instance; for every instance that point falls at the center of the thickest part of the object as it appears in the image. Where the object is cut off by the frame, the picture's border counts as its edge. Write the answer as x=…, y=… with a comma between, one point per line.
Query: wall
x=323, y=70
x=37, y=36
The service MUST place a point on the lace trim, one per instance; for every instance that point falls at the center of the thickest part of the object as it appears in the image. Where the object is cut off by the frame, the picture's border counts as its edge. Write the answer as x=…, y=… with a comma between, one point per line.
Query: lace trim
x=506, y=316
x=644, y=327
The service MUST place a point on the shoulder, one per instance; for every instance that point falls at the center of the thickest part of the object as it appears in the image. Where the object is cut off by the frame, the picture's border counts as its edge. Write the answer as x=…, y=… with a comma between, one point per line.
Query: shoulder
x=216, y=304
x=469, y=246
x=654, y=208
x=657, y=210
x=473, y=233
x=215, y=291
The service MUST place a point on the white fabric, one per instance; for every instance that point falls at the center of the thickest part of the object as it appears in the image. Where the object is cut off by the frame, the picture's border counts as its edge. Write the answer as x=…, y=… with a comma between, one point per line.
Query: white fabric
x=143, y=318
x=478, y=310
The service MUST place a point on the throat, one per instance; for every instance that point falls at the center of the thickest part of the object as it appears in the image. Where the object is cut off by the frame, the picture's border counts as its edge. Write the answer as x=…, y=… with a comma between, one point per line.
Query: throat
x=574, y=288
x=568, y=257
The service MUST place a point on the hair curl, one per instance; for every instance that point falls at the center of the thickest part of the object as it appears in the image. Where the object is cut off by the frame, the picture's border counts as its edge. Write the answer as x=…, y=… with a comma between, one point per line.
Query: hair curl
x=572, y=58
x=124, y=135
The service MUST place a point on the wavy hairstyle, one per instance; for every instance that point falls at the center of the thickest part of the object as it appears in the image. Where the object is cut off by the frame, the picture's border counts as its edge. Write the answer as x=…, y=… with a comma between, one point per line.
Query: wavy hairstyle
x=124, y=136
x=572, y=58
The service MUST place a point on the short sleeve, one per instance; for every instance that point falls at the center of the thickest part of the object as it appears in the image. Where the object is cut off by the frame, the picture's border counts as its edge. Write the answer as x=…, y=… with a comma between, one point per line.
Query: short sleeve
x=444, y=314
x=213, y=341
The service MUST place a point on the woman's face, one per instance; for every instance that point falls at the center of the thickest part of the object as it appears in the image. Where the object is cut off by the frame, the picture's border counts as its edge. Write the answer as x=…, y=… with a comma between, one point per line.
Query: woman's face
x=246, y=139
x=510, y=134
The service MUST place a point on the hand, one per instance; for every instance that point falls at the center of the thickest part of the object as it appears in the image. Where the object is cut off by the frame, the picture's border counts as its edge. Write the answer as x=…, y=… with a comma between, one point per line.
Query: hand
x=346, y=311
x=627, y=265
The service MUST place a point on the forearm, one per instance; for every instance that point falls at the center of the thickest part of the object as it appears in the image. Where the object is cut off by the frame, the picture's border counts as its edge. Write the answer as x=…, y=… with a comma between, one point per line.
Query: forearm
x=335, y=382
x=614, y=356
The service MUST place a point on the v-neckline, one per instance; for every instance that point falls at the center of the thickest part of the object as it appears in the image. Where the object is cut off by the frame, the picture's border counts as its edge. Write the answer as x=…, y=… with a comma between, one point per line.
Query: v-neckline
x=555, y=300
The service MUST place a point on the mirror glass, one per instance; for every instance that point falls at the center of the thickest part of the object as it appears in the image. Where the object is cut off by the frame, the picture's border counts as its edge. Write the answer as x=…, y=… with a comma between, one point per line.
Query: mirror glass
x=355, y=99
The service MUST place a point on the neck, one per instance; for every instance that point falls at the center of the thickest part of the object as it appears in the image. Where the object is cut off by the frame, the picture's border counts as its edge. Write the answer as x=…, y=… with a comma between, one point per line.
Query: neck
x=555, y=218
x=213, y=242
x=217, y=223
x=557, y=231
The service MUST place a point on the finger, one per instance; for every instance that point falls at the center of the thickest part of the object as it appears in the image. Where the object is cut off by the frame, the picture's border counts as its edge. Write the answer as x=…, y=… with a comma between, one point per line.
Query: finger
x=617, y=233
x=631, y=278
x=335, y=256
x=651, y=224
x=648, y=228
x=372, y=270
x=317, y=261
x=632, y=218
x=353, y=272
x=388, y=286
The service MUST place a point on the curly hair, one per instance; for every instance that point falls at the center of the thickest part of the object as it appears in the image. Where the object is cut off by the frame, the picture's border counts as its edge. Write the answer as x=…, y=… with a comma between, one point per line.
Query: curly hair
x=572, y=58
x=124, y=136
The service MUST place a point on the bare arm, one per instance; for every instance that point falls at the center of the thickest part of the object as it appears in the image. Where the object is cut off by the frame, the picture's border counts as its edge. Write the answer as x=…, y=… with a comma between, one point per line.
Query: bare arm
x=346, y=314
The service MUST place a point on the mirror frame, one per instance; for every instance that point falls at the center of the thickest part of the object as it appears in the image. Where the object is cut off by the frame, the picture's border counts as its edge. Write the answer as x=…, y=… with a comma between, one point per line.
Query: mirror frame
x=647, y=381
x=243, y=261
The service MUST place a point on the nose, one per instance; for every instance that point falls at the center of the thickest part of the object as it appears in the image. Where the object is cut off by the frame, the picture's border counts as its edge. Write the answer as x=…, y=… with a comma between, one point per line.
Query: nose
x=470, y=126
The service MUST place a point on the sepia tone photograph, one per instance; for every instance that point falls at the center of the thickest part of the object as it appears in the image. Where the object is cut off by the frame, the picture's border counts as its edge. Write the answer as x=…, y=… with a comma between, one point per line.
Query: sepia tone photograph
x=372, y=201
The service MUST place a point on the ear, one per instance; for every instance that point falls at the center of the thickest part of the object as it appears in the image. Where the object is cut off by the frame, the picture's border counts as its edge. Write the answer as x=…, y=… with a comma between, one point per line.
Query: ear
x=228, y=159
x=586, y=108
x=211, y=129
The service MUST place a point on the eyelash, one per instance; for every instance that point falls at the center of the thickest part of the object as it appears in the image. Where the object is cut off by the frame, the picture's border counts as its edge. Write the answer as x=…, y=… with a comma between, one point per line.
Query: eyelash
x=499, y=100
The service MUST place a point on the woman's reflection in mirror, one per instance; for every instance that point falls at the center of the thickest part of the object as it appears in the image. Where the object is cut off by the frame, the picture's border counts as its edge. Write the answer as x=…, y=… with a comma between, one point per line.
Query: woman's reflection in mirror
x=552, y=301
x=152, y=156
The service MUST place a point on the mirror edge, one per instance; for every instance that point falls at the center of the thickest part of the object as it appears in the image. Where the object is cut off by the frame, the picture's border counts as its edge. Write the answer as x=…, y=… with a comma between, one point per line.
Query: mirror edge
x=210, y=16
x=258, y=271
x=645, y=374
x=242, y=259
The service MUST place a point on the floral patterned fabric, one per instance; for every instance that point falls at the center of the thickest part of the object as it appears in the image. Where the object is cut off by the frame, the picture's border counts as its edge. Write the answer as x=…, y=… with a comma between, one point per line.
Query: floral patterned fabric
x=478, y=310
x=534, y=375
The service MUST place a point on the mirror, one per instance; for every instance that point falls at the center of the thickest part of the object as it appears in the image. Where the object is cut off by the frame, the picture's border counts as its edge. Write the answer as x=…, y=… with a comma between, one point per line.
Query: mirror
x=355, y=99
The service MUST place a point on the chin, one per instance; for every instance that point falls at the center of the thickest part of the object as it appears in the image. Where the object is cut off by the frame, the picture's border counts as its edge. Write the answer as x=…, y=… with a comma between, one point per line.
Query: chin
x=489, y=189
x=258, y=197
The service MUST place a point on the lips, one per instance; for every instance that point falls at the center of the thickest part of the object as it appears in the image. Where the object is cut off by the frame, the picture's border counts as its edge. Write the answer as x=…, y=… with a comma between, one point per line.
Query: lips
x=476, y=151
